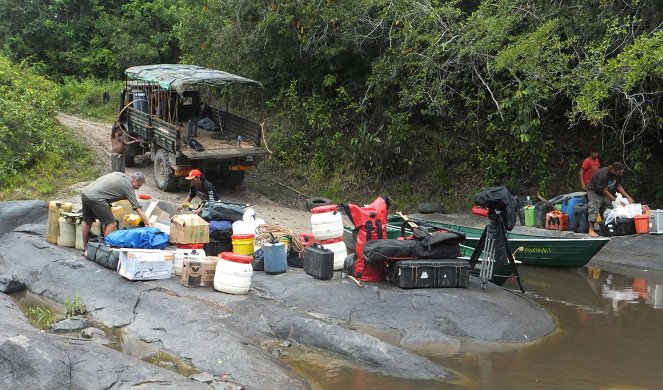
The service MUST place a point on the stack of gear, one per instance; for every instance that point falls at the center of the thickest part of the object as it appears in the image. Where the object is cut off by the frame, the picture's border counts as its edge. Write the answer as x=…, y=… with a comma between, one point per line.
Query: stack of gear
x=327, y=228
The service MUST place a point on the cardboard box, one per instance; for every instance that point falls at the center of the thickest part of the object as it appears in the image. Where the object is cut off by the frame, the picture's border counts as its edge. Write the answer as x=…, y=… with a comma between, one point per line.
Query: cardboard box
x=145, y=264
x=199, y=272
x=189, y=229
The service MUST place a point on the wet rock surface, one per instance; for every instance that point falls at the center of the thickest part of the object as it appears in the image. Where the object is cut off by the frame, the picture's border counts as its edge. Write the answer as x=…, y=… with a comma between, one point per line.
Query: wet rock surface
x=223, y=334
x=33, y=360
x=10, y=284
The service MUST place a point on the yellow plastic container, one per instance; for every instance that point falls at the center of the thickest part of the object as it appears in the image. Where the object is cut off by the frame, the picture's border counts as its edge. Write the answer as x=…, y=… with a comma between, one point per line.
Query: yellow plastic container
x=52, y=225
x=243, y=243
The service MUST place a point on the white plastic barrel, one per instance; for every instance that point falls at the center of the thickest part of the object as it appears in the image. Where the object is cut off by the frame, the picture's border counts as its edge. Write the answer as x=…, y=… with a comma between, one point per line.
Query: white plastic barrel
x=233, y=273
x=67, y=234
x=326, y=222
x=181, y=254
x=337, y=246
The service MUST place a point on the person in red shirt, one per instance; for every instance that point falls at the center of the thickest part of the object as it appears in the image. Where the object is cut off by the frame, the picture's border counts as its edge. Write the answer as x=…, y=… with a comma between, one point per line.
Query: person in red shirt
x=588, y=168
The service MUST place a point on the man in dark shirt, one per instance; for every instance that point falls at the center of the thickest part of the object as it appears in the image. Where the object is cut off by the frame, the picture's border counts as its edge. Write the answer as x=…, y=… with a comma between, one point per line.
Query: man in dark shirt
x=201, y=188
x=601, y=191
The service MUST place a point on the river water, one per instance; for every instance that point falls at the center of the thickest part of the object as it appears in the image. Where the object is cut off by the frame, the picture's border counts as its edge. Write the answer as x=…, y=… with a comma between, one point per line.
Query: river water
x=609, y=336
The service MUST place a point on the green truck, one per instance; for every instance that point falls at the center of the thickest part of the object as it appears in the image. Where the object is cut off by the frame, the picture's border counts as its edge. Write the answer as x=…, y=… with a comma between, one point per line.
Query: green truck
x=171, y=110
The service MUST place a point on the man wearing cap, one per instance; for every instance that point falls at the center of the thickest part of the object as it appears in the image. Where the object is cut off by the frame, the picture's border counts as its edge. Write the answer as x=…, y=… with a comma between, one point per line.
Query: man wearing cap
x=98, y=196
x=201, y=188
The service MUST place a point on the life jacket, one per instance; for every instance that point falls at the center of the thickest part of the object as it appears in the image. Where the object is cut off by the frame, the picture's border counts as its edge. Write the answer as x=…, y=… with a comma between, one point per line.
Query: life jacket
x=370, y=224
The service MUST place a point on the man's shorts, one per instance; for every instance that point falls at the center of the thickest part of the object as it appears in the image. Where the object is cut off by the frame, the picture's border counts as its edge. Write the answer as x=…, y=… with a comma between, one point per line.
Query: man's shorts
x=97, y=210
x=597, y=203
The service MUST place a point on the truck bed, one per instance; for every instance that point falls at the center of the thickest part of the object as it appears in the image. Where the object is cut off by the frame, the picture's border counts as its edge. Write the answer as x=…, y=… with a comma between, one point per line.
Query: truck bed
x=216, y=145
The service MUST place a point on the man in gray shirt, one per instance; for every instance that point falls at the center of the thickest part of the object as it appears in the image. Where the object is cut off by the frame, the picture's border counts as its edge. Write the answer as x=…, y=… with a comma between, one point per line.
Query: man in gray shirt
x=98, y=196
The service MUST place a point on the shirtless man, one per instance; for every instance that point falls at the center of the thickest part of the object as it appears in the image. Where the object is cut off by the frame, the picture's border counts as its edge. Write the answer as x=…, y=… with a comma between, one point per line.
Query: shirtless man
x=119, y=140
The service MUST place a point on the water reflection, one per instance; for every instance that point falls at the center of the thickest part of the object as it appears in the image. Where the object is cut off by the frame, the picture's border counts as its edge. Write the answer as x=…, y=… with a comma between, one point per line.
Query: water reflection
x=608, y=337
x=621, y=290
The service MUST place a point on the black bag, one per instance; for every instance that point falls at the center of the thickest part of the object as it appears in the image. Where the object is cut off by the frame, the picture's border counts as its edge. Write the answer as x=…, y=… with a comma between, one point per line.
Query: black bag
x=376, y=251
x=221, y=211
x=438, y=245
x=103, y=254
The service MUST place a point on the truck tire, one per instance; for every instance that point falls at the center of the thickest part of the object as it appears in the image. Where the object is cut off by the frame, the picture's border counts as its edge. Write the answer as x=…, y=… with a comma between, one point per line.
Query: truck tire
x=429, y=208
x=231, y=179
x=129, y=161
x=317, y=201
x=163, y=173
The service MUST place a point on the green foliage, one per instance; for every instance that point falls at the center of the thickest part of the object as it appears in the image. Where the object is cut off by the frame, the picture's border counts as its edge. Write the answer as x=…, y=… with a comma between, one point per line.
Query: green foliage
x=34, y=148
x=74, y=306
x=497, y=89
x=85, y=98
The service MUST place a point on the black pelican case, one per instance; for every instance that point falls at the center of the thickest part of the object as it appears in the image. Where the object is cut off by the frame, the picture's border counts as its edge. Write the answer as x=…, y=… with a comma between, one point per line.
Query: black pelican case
x=319, y=261
x=429, y=273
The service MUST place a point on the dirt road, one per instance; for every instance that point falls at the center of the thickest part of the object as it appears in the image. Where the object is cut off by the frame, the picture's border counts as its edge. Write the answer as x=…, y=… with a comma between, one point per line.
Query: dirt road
x=284, y=207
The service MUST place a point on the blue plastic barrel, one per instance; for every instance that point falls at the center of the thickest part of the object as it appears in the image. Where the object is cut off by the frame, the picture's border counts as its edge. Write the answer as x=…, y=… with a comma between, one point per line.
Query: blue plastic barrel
x=275, y=258
x=567, y=208
x=140, y=102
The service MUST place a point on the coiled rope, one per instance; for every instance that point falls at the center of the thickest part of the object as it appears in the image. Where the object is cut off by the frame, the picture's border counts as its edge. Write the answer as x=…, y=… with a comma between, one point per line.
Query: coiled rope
x=264, y=234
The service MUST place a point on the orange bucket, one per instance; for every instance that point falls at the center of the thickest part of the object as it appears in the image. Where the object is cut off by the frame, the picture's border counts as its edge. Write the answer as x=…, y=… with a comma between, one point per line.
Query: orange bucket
x=641, y=224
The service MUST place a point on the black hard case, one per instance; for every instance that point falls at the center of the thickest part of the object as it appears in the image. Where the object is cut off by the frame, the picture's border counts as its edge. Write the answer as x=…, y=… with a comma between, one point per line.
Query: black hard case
x=319, y=262
x=619, y=227
x=430, y=273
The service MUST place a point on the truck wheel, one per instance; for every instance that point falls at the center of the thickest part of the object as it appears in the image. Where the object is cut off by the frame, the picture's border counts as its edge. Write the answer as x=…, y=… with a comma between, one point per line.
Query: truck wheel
x=231, y=179
x=163, y=173
x=129, y=161
x=316, y=201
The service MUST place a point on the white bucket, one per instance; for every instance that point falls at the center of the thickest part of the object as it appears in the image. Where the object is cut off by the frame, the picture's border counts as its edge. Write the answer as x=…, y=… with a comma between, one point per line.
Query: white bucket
x=340, y=251
x=326, y=222
x=67, y=234
x=233, y=274
x=181, y=254
x=243, y=227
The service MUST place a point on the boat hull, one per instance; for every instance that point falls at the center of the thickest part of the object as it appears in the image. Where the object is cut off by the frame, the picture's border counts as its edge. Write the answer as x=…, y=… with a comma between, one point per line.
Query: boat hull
x=537, y=250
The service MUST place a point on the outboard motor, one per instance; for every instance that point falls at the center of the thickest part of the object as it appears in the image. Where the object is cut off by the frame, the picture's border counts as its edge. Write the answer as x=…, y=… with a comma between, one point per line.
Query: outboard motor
x=502, y=213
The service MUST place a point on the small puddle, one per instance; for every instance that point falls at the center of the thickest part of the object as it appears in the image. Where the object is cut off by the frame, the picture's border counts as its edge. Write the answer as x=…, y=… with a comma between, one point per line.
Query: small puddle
x=43, y=311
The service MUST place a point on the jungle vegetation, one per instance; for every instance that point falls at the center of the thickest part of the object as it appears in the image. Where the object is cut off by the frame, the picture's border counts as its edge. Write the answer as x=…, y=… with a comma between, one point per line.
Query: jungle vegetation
x=425, y=99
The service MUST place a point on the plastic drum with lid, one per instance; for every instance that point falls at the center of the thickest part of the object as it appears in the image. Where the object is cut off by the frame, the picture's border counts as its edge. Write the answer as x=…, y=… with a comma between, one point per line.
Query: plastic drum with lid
x=326, y=222
x=337, y=246
x=233, y=273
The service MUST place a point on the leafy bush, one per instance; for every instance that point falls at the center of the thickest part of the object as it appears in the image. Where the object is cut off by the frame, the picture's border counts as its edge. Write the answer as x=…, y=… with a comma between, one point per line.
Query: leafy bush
x=35, y=151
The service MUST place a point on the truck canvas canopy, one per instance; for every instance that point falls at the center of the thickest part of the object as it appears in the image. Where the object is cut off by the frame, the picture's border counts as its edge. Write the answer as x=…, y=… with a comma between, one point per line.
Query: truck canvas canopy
x=178, y=77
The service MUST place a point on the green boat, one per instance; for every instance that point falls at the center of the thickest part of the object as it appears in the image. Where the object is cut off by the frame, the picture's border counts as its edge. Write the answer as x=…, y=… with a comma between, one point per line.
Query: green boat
x=530, y=249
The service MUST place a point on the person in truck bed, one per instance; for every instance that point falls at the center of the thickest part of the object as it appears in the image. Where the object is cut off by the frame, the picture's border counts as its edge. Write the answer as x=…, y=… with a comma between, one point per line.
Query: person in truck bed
x=201, y=188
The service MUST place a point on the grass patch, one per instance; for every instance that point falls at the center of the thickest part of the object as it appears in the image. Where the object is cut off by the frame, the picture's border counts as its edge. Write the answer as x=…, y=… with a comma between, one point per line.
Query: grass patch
x=86, y=98
x=40, y=317
x=74, y=306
